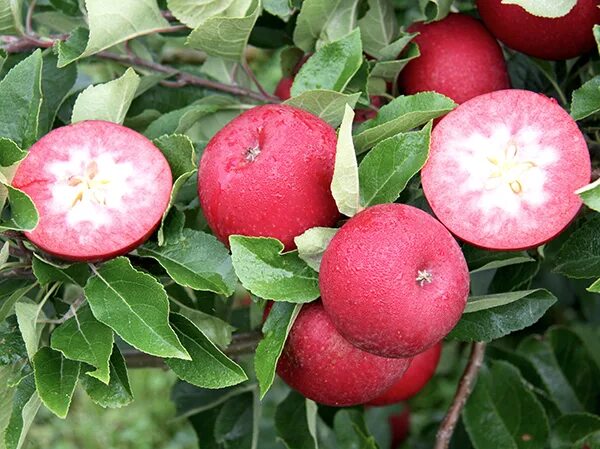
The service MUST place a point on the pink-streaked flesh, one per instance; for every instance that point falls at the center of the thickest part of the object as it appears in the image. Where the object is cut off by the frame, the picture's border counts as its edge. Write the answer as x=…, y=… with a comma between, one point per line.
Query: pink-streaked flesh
x=503, y=170
x=100, y=189
x=319, y=363
x=268, y=173
x=394, y=281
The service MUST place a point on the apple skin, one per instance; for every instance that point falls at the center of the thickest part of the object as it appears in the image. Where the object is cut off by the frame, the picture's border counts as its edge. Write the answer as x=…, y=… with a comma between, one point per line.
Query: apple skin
x=373, y=285
x=420, y=371
x=554, y=39
x=320, y=364
x=268, y=173
x=146, y=197
x=399, y=427
x=459, y=59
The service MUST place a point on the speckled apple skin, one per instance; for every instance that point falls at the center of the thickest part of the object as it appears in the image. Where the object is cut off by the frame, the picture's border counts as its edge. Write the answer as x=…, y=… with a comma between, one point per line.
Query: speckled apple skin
x=284, y=191
x=369, y=286
x=555, y=39
x=319, y=363
x=459, y=59
x=128, y=230
x=421, y=370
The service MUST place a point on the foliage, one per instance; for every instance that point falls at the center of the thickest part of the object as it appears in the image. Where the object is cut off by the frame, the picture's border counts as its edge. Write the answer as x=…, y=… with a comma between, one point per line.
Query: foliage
x=177, y=71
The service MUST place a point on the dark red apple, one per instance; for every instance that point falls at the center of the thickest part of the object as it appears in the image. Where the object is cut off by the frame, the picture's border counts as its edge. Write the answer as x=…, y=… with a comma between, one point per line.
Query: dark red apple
x=268, y=173
x=459, y=59
x=100, y=189
x=319, y=363
x=394, y=281
x=421, y=369
x=503, y=170
x=559, y=38
x=400, y=427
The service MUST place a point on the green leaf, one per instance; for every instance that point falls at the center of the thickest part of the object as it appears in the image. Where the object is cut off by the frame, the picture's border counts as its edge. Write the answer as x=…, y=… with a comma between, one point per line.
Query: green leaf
x=28, y=313
x=387, y=168
x=55, y=380
x=236, y=425
x=25, y=406
x=178, y=149
x=21, y=100
x=56, y=85
x=196, y=260
x=47, y=272
x=332, y=67
x=118, y=392
x=217, y=330
x=12, y=349
x=312, y=244
x=378, y=27
x=514, y=277
x=296, y=421
x=10, y=153
x=344, y=185
x=84, y=339
x=266, y=272
x=326, y=104
x=503, y=412
x=226, y=37
x=541, y=355
x=4, y=253
x=109, y=101
x=6, y=397
x=597, y=36
x=435, y=9
x=579, y=256
x=322, y=21
x=401, y=115
x=135, y=306
x=11, y=17
x=110, y=22
x=586, y=99
x=389, y=70
x=24, y=214
x=483, y=260
x=279, y=8
x=351, y=430
x=544, y=8
x=275, y=331
x=570, y=429
x=490, y=317
x=194, y=13
x=209, y=367
x=590, y=195
x=11, y=290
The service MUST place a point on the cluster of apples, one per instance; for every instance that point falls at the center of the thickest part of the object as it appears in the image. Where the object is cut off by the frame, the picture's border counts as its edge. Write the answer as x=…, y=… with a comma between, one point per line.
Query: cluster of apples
x=502, y=172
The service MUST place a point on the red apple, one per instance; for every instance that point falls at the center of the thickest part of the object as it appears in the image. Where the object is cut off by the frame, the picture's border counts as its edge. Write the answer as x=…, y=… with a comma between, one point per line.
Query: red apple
x=503, y=169
x=100, y=189
x=421, y=369
x=459, y=59
x=319, y=363
x=400, y=427
x=394, y=281
x=560, y=38
x=268, y=173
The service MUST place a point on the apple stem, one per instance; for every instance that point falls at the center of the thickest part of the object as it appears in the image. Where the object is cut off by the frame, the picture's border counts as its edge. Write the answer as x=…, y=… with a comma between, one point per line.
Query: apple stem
x=465, y=386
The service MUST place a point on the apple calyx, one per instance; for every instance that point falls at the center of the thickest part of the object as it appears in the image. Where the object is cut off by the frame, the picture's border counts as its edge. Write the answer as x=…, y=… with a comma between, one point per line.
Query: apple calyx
x=424, y=276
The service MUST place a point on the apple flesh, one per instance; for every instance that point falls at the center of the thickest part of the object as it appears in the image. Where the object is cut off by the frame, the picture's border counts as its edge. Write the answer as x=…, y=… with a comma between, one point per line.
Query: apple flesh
x=547, y=38
x=420, y=371
x=394, y=281
x=100, y=188
x=320, y=364
x=503, y=169
x=459, y=59
x=268, y=173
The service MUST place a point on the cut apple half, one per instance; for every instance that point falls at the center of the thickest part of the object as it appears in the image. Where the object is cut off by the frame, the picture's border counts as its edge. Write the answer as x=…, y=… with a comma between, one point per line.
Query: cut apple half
x=503, y=170
x=100, y=189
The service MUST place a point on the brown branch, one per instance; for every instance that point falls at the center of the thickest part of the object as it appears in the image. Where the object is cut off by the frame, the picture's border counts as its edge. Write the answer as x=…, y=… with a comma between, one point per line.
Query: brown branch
x=241, y=344
x=25, y=43
x=446, y=430
x=252, y=76
x=29, y=18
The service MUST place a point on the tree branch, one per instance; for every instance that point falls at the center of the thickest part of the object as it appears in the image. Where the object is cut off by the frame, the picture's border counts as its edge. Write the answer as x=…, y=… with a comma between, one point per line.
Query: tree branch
x=25, y=43
x=463, y=391
x=241, y=344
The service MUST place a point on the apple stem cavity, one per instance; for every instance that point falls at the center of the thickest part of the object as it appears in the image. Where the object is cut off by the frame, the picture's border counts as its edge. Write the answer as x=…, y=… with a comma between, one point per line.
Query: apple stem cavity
x=424, y=276
x=252, y=154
